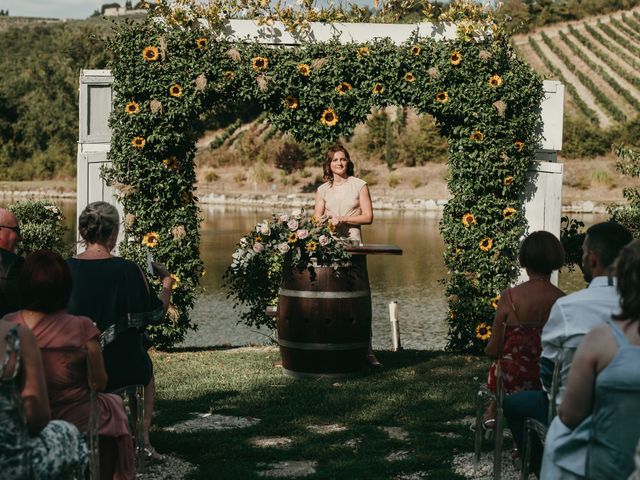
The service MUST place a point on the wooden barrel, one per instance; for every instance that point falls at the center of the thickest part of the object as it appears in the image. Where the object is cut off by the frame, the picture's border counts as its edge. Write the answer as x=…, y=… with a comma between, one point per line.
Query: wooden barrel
x=324, y=321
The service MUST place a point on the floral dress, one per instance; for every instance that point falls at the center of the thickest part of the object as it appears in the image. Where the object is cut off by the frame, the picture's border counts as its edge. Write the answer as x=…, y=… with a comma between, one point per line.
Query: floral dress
x=58, y=452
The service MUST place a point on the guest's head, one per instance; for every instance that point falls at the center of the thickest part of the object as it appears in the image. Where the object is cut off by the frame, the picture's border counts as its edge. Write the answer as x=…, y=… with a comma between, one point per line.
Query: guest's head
x=628, y=271
x=9, y=230
x=44, y=282
x=99, y=223
x=601, y=246
x=336, y=155
x=541, y=252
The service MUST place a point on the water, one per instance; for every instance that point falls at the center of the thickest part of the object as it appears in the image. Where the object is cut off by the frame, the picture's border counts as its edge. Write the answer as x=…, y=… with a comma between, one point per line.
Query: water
x=413, y=279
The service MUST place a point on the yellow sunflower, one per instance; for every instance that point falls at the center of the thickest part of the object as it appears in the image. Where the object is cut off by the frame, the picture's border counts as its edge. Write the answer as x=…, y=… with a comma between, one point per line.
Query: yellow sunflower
x=132, y=108
x=486, y=244
x=508, y=180
x=468, y=219
x=494, y=301
x=312, y=246
x=228, y=75
x=201, y=43
x=519, y=145
x=508, y=212
x=151, y=239
x=483, y=331
x=416, y=49
x=293, y=238
x=176, y=281
x=442, y=97
x=478, y=136
x=171, y=163
x=409, y=77
x=363, y=52
x=175, y=90
x=291, y=102
x=259, y=63
x=495, y=81
x=150, y=54
x=377, y=89
x=304, y=69
x=329, y=117
x=138, y=142
x=455, y=58
x=343, y=87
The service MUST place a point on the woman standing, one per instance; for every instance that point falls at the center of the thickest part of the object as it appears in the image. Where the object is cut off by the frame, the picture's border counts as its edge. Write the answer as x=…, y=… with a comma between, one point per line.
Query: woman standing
x=114, y=293
x=346, y=202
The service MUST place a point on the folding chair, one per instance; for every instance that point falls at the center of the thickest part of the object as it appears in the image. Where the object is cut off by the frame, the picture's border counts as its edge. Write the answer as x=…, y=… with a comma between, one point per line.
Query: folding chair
x=135, y=394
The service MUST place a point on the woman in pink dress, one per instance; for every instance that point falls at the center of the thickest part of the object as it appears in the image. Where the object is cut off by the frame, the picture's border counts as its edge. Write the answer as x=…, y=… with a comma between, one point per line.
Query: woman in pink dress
x=73, y=360
x=522, y=312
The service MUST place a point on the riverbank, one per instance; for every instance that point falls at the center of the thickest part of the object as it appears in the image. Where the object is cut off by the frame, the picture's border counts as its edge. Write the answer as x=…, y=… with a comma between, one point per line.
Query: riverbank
x=409, y=420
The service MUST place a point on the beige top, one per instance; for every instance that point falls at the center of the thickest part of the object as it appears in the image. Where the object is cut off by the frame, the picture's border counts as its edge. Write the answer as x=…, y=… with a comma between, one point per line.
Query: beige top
x=344, y=200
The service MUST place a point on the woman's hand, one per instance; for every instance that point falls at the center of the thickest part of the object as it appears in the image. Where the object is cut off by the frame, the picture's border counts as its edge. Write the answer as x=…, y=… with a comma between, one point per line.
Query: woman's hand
x=163, y=274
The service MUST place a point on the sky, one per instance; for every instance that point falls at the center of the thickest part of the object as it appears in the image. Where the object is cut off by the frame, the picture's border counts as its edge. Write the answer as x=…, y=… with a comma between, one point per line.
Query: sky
x=68, y=8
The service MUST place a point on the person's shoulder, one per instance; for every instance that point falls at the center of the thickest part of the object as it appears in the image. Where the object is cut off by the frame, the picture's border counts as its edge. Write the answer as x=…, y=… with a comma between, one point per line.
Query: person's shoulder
x=324, y=187
x=357, y=182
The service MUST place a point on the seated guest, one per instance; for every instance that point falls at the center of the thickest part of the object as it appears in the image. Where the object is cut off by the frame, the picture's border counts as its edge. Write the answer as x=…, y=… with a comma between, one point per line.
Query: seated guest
x=522, y=312
x=597, y=427
x=114, y=293
x=72, y=360
x=571, y=317
x=31, y=446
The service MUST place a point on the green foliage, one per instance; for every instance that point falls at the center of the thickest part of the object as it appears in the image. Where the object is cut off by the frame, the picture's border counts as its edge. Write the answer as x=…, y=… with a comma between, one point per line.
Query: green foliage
x=572, y=235
x=41, y=227
x=629, y=215
x=290, y=157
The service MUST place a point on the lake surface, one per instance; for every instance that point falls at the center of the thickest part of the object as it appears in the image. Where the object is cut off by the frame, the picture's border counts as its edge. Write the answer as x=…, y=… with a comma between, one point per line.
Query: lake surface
x=413, y=279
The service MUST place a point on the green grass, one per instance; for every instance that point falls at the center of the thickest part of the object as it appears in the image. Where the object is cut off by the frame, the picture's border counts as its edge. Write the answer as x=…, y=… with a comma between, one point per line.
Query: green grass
x=425, y=393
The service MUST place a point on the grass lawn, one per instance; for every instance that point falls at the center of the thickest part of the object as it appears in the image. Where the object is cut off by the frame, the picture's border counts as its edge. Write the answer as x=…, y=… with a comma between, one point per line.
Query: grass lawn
x=425, y=394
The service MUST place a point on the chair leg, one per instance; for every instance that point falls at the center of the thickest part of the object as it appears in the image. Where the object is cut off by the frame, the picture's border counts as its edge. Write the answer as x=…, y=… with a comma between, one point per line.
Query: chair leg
x=139, y=427
x=497, y=454
x=526, y=452
x=92, y=440
x=478, y=432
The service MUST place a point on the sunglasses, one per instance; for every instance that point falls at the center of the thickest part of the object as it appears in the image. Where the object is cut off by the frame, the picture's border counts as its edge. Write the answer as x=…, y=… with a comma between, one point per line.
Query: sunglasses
x=16, y=229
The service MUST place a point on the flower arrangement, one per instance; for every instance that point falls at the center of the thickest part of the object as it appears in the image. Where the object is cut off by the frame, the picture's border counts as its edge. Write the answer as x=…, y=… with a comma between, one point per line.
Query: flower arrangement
x=42, y=225
x=286, y=241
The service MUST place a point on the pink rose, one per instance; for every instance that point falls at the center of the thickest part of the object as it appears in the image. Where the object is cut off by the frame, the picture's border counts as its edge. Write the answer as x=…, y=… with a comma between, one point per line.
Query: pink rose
x=258, y=247
x=302, y=234
x=292, y=224
x=324, y=240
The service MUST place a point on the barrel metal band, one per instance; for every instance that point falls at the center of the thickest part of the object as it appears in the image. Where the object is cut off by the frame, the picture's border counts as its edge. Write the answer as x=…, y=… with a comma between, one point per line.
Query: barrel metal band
x=322, y=346
x=309, y=294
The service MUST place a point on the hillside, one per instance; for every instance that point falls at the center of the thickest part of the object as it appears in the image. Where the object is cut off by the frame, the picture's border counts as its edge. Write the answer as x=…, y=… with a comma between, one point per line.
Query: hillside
x=597, y=59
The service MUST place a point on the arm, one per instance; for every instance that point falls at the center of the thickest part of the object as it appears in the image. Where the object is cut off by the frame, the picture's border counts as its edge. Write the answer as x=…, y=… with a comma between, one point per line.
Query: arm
x=494, y=347
x=578, y=399
x=366, y=211
x=96, y=373
x=35, y=400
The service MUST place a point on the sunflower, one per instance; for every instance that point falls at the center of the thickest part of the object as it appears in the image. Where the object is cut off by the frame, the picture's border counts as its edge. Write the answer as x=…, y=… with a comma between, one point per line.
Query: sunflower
x=132, y=108
x=519, y=145
x=176, y=281
x=228, y=75
x=508, y=180
x=483, y=331
x=201, y=43
x=416, y=49
x=171, y=163
x=377, y=89
x=291, y=102
x=312, y=246
x=150, y=54
x=495, y=81
x=468, y=219
x=409, y=77
x=175, y=90
x=478, y=136
x=455, y=58
x=138, y=142
x=343, y=87
x=486, y=244
x=259, y=63
x=329, y=117
x=494, y=301
x=363, y=52
x=508, y=212
x=150, y=240
x=442, y=97
x=293, y=238
x=304, y=69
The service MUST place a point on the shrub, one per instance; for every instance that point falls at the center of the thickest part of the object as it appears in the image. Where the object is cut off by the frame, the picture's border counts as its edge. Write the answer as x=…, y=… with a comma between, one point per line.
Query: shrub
x=290, y=157
x=41, y=226
x=211, y=176
x=393, y=180
x=628, y=164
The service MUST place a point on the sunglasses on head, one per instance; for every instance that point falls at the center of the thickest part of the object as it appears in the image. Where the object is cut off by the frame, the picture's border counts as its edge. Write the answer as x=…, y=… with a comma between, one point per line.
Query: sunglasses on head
x=16, y=229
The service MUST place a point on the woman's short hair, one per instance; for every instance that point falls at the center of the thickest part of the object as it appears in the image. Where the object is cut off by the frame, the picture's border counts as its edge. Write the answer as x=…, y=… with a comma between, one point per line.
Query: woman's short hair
x=98, y=221
x=628, y=272
x=328, y=157
x=45, y=282
x=541, y=252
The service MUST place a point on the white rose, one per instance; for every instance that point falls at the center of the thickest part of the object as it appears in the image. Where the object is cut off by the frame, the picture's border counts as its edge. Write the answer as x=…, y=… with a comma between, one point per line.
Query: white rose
x=302, y=234
x=292, y=224
x=284, y=218
x=283, y=247
x=264, y=229
x=244, y=243
x=324, y=240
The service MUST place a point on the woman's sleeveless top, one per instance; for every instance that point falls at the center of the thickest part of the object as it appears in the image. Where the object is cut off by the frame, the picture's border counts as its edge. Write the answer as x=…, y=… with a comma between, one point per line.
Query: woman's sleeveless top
x=344, y=200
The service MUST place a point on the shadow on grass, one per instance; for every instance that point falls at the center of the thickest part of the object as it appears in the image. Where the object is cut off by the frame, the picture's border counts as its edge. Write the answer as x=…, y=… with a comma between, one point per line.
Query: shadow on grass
x=424, y=393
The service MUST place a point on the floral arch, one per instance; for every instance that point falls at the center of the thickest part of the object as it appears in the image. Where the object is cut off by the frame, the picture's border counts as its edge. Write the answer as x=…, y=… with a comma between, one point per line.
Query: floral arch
x=485, y=100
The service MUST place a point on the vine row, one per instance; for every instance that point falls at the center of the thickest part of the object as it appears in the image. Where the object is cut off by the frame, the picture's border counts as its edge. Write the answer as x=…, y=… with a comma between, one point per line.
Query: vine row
x=614, y=47
x=632, y=23
x=618, y=38
x=624, y=29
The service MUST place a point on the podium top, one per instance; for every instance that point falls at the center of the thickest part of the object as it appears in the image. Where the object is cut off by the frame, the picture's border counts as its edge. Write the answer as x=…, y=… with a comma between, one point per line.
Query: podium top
x=374, y=249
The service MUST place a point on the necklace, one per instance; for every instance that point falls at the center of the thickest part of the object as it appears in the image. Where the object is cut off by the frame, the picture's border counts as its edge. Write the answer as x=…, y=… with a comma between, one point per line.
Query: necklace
x=98, y=249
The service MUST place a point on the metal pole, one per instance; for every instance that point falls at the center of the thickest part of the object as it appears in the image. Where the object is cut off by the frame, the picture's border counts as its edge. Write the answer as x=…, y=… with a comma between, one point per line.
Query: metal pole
x=395, y=326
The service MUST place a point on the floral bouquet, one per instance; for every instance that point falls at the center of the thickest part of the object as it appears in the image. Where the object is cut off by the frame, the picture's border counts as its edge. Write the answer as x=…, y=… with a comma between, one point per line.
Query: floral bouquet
x=286, y=241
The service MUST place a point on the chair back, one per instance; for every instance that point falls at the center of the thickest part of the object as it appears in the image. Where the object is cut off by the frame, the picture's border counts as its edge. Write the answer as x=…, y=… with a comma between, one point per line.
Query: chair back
x=555, y=387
